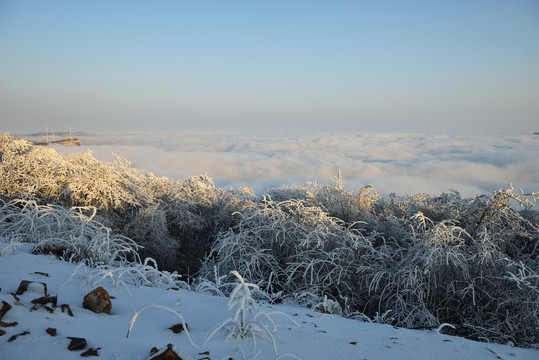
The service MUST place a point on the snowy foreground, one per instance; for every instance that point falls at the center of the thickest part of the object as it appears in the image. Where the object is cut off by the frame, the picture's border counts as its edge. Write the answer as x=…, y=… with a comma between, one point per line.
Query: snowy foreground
x=310, y=335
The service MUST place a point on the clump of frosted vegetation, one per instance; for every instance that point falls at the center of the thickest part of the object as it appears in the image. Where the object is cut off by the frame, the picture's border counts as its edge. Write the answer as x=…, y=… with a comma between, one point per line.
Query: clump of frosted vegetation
x=173, y=222
x=415, y=261
x=69, y=233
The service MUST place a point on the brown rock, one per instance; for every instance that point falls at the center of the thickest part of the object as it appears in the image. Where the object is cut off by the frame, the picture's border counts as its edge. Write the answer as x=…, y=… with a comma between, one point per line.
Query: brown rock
x=90, y=352
x=65, y=307
x=4, y=309
x=51, y=331
x=178, y=328
x=2, y=332
x=23, y=286
x=45, y=300
x=40, y=306
x=165, y=354
x=98, y=301
x=76, y=343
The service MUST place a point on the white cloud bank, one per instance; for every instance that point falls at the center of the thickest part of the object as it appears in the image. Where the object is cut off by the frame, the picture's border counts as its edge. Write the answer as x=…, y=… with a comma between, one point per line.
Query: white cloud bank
x=400, y=163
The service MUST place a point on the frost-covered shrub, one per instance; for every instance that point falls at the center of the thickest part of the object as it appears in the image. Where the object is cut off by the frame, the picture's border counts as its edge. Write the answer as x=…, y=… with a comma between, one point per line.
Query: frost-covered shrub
x=174, y=221
x=335, y=200
x=246, y=322
x=416, y=271
x=73, y=233
x=290, y=247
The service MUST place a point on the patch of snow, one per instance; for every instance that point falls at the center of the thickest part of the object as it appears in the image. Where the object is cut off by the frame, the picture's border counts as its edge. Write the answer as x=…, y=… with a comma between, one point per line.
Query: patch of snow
x=319, y=336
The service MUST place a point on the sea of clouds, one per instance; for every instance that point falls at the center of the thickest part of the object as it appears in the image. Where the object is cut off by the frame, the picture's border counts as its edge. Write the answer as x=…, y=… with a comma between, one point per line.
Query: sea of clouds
x=398, y=163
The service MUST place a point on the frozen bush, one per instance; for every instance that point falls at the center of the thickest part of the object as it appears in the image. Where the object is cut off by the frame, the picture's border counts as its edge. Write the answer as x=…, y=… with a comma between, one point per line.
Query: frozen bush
x=417, y=271
x=70, y=233
x=174, y=222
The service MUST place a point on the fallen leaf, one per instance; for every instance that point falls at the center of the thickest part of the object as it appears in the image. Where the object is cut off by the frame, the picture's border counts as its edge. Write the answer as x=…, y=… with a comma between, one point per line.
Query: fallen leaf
x=15, y=336
x=5, y=324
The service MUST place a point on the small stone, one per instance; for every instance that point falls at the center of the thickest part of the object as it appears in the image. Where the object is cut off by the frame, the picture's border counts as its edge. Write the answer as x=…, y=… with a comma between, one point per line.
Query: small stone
x=2, y=332
x=24, y=284
x=65, y=307
x=178, y=328
x=154, y=350
x=98, y=301
x=4, y=309
x=45, y=300
x=165, y=354
x=41, y=273
x=90, y=352
x=51, y=331
x=76, y=343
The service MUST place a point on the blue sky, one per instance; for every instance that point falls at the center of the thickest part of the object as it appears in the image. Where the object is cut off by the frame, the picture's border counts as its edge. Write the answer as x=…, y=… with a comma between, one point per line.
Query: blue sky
x=449, y=66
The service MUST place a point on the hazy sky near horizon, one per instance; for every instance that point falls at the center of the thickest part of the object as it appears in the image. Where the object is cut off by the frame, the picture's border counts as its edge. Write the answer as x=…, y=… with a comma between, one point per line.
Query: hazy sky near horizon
x=449, y=66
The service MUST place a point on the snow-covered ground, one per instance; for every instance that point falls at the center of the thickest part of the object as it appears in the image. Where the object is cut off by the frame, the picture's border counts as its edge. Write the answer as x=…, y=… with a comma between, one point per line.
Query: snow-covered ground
x=303, y=334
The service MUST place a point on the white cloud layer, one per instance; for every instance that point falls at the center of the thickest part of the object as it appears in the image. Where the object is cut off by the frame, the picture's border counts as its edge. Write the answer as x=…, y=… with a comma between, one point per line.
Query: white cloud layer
x=399, y=163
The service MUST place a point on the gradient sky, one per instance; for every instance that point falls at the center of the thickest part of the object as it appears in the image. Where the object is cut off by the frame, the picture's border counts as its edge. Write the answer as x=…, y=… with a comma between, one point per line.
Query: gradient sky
x=451, y=66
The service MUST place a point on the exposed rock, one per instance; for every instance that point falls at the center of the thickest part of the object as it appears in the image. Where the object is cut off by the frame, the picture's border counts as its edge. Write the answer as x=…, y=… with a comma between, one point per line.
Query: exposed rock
x=4, y=309
x=17, y=335
x=40, y=306
x=170, y=353
x=51, y=331
x=178, y=328
x=2, y=332
x=41, y=273
x=98, y=301
x=65, y=307
x=45, y=300
x=24, y=284
x=76, y=343
x=165, y=354
x=90, y=352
